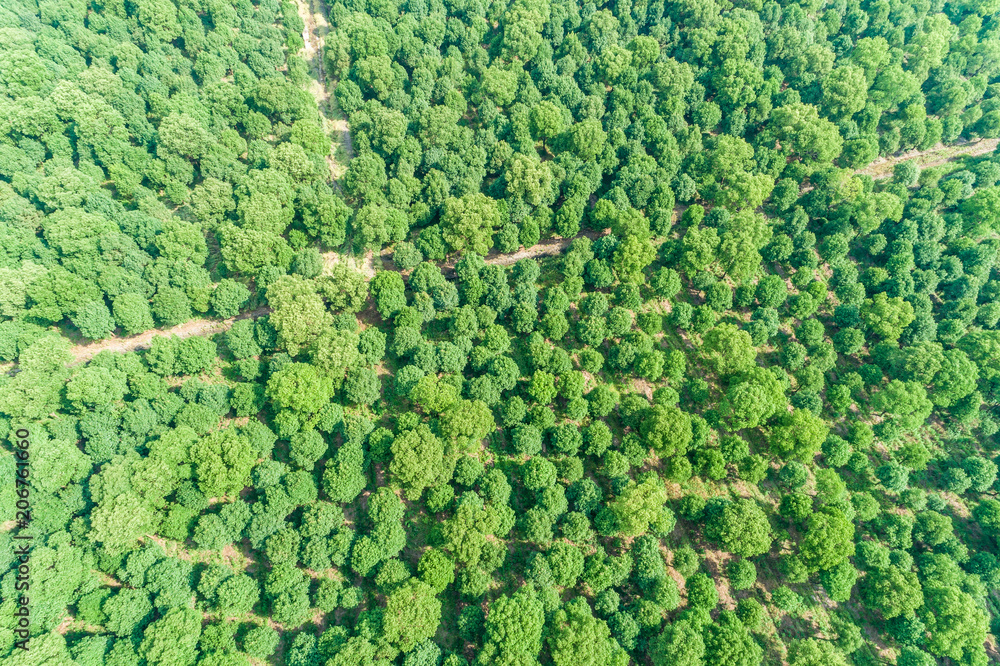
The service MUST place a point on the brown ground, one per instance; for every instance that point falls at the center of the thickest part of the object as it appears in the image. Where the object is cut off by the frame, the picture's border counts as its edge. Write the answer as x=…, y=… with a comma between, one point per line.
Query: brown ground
x=83, y=353
x=935, y=156
x=365, y=264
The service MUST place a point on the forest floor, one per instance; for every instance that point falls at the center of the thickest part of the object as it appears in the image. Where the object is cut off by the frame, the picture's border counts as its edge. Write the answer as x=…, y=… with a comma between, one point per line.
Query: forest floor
x=934, y=156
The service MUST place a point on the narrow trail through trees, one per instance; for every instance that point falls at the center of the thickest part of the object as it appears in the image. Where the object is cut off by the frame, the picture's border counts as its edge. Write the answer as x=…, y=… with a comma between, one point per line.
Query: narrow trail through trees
x=313, y=14
x=85, y=352
x=934, y=156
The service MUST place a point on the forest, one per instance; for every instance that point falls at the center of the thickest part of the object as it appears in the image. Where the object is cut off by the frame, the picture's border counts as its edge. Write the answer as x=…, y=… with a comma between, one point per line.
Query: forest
x=648, y=332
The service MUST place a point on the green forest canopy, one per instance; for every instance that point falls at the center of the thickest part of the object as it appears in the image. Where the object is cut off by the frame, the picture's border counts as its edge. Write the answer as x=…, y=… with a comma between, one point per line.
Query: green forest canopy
x=748, y=415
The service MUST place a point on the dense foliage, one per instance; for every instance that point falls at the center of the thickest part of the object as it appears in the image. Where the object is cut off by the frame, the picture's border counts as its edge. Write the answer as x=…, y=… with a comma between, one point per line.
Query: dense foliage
x=748, y=415
x=154, y=159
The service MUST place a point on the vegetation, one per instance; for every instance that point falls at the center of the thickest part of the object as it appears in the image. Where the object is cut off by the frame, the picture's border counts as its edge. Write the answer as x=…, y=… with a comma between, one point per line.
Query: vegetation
x=747, y=415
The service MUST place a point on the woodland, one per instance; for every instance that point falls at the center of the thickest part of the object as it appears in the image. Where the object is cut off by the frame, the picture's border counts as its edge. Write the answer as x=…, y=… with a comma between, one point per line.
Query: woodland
x=652, y=332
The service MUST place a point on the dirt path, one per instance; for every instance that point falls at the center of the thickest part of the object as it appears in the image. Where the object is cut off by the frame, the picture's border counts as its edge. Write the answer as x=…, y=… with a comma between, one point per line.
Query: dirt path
x=313, y=14
x=547, y=247
x=543, y=248
x=935, y=156
x=83, y=353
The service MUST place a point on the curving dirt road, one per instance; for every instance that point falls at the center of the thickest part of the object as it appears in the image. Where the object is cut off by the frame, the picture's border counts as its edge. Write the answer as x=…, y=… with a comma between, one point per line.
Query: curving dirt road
x=85, y=352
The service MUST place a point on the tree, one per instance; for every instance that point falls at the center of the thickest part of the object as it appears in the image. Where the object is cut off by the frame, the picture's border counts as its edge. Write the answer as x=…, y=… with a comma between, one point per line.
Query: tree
x=587, y=137
x=905, y=402
x=982, y=473
x=336, y=353
x=131, y=312
x=698, y=248
x=172, y=639
x=362, y=386
x=848, y=341
x=261, y=641
x=542, y=387
x=955, y=380
x=376, y=225
x=637, y=506
x=744, y=234
x=299, y=390
x=812, y=652
x=742, y=574
x=344, y=476
x=828, y=541
x=412, y=614
x=727, y=641
x=667, y=430
x=844, y=91
x=171, y=306
x=740, y=526
x=436, y=569
x=892, y=591
x=299, y=314
x=799, y=433
x=566, y=563
x=728, y=350
x=893, y=476
x=94, y=320
x=286, y=589
x=749, y=402
x=467, y=423
x=914, y=656
x=885, y=316
x=237, y=595
x=229, y=298
x=577, y=637
x=418, y=460
x=632, y=256
x=344, y=288
x=389, y=293
x=95, y=387
x=222, y=462
x=980, y=211
x=957, y=624
x=514, y=629
x=680, y=644
x=306, y=447
x=538, y=473
x=771, y=291
x=529, y=179
x=468, y=223
x=126, y=610
x=546, y=121
x=728, y=175
x=804, y=134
